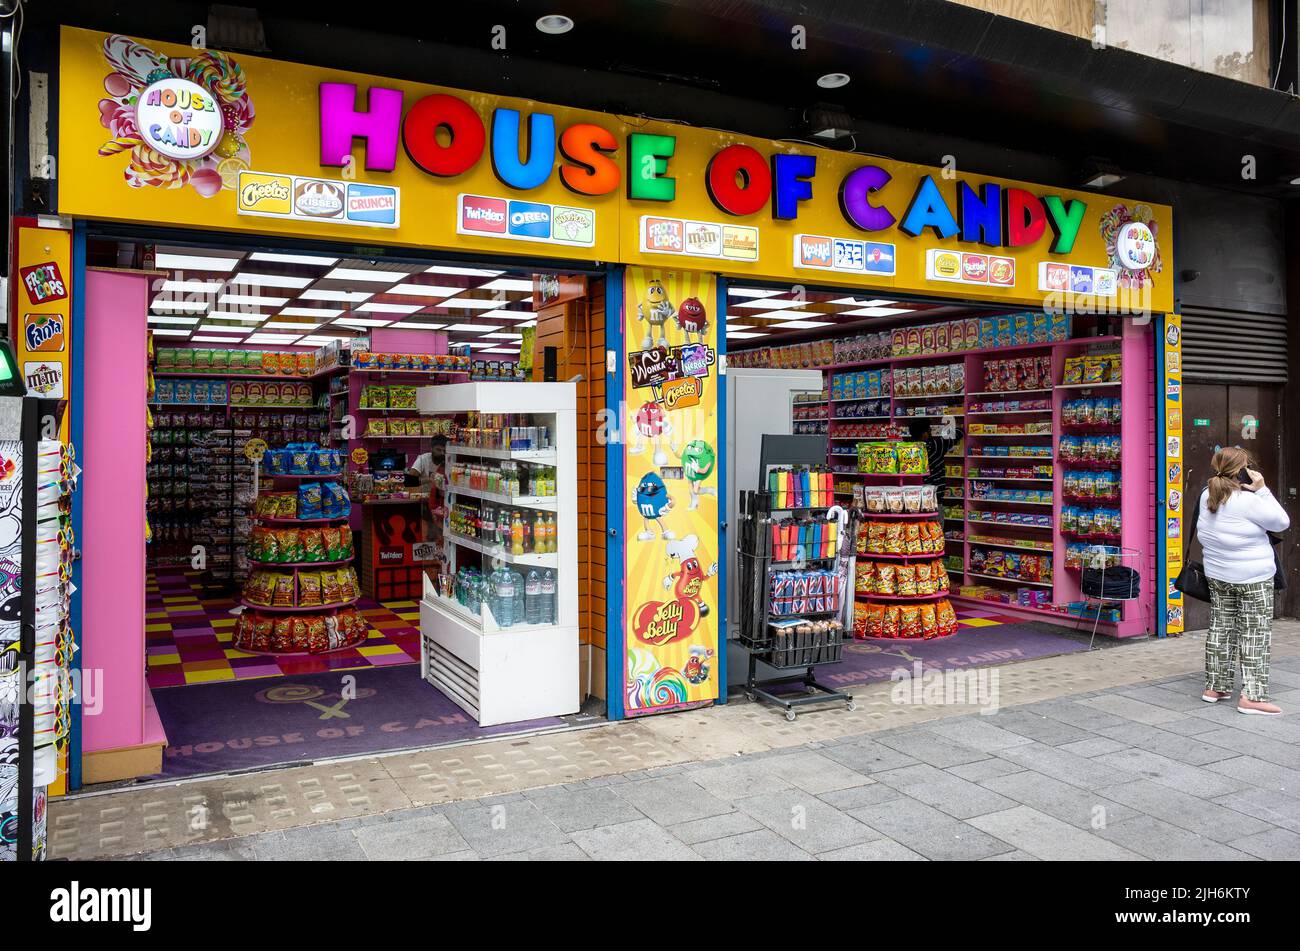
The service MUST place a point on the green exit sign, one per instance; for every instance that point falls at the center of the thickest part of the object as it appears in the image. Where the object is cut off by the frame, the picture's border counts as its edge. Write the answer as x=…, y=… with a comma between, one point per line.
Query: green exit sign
x=1200, y=421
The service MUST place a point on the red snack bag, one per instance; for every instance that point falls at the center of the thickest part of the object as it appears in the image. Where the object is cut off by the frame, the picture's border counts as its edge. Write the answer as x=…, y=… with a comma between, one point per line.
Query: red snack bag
x=301, y=643
x=875, y=620
x=909, y=621
x=929, y=621
x=261, y=636
x=891, y=626
x=946, y=618
x=282, y=635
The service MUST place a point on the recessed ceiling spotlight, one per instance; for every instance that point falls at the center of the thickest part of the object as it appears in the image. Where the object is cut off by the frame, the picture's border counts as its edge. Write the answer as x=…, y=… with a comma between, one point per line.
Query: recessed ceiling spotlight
x=555, y=23
x=833, y=80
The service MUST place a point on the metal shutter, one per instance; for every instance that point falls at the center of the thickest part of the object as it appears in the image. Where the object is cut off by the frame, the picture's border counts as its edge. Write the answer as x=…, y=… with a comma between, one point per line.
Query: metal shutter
x=1230, y=346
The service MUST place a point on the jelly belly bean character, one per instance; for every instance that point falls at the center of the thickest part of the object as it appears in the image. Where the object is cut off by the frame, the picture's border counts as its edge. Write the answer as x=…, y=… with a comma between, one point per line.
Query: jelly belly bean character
x=691, y=319
x=652, y=424
x=697, y=664
x=655, y=309
x=653, y=502
x=688, y=580
x=698, y=462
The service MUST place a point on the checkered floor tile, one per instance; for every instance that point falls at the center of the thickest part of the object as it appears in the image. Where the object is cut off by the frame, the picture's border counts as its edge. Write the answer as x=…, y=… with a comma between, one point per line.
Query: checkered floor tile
x=188, y=637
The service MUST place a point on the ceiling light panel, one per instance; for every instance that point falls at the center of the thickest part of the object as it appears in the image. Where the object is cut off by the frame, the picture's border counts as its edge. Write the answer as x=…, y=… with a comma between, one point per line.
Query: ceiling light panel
x=193, y=262
x=278, y=258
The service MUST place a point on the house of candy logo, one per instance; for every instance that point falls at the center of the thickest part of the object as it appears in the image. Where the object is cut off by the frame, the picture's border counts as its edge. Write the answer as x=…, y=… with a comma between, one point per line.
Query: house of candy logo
x=181, y=120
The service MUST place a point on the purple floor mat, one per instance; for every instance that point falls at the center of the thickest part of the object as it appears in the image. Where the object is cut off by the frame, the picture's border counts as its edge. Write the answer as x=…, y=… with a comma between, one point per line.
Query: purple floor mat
x=877, y=658
x=221, y=727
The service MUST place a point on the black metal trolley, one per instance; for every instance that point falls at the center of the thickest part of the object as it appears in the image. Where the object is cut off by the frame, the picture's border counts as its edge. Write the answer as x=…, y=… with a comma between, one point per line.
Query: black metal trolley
x=761, y=631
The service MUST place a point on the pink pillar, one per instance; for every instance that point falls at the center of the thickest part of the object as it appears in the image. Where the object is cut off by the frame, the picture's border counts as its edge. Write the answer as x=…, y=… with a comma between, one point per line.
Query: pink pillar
x=112, y=497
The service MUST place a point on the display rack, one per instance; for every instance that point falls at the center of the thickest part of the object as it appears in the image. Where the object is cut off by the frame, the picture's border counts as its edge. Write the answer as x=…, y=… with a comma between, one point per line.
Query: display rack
x=347, y=628
x=471, y=648
x=995, y=412
x=793, y=632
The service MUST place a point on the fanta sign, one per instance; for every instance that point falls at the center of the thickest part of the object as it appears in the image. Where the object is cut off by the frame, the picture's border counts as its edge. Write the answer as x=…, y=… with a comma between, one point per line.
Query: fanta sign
x=44, y=333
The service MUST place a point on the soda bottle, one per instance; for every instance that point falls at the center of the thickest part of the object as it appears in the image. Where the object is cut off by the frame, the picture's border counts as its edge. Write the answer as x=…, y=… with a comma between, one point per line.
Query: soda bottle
x=533, y=598
x=517, y=534
x=552, y=539
x=489, y=532
x=539, y=533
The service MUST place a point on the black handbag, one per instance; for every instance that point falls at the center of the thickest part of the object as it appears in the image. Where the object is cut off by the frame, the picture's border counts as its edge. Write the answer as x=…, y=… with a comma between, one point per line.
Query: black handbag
x=1192, y=582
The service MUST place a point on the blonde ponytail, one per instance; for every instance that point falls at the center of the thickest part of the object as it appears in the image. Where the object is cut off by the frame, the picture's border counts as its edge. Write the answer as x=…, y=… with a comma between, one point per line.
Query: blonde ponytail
x=1227, y=463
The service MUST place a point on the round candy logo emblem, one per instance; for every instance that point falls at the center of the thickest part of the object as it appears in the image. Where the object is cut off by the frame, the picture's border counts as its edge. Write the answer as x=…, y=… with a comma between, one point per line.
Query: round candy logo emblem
x=1135, y=246
x=179, y=118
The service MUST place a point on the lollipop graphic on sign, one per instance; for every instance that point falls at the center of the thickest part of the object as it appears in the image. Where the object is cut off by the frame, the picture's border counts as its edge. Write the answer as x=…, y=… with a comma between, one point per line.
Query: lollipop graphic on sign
x=182, y=121
x=1130, y=238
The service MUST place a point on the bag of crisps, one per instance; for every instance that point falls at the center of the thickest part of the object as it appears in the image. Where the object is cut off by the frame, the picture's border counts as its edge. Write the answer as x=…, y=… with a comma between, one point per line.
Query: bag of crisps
x=890, y=627
x=929, y=621
x=946, y=617
x=300, y=642
x=875, y=626
x=261, y=636
x=909, y=621
x=313, y=545
x=906, y=580
x=283, y=594
x=282, y=635
x=309, y=593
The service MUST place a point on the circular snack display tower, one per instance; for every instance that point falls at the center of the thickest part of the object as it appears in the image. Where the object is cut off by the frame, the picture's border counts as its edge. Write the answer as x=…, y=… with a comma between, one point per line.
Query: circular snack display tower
x=302, y=590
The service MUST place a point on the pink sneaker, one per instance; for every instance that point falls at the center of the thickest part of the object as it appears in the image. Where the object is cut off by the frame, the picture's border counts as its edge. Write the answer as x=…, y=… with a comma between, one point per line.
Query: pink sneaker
x=1258, y=708
x=1214, y=696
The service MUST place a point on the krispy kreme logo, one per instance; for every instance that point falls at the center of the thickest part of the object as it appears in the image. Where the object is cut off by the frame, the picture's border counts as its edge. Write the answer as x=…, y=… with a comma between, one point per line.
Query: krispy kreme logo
x=255, y=192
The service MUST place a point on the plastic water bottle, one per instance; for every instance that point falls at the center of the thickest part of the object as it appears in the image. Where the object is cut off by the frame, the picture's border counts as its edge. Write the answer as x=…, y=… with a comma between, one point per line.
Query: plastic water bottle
x=548, y=598
x=533, y=598
x=505, y=597
x=520, y=606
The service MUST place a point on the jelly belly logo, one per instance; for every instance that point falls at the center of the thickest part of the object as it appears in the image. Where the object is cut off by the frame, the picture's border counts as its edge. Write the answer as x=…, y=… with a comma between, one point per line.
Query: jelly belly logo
x=372, y=205
x=1002, y=271
x=528, y=219
x=487, y=215
x=315, y=198
x=263, y=194
x=44, y=283
x=44, y=379
x=43, y=333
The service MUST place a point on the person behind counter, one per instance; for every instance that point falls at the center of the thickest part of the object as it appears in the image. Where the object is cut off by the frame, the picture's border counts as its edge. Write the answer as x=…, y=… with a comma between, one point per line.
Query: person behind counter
x=936, y=451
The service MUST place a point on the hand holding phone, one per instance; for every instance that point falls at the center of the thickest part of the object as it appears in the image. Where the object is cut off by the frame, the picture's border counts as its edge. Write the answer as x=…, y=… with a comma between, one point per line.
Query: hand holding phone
x=1251, y=480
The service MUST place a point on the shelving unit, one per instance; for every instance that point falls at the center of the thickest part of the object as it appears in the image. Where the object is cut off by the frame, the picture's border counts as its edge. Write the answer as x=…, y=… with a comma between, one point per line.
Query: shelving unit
x=504, y=674
x=985, y=451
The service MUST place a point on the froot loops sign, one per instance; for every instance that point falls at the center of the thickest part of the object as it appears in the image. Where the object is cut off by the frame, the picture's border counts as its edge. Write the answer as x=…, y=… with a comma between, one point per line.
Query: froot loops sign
x=179, y=119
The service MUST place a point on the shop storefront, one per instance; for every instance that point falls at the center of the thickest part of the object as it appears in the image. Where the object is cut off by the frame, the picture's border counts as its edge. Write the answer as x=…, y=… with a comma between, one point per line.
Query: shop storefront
x=397, y=236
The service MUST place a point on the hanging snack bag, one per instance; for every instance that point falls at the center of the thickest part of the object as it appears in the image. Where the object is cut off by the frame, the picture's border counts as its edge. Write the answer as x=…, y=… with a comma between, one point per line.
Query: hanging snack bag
x=260, y=639
x=911, y=458
x=886, y=583
x=905, y=576
x=891, y=625
x=309, y=500
x=331, y=590
x=946, y=618
x=309, y=590
x=282, y=635
x=912, y=539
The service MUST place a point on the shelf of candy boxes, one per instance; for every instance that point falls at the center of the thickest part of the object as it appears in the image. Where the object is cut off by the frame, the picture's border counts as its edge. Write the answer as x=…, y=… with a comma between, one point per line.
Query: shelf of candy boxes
x=1092, y=369
x=861, y=385
x=512, y=597
x=269, y=394
x=383, y=485
x=1091, y=415
x=496, y=371
x=987, y=407
x=409, y=362
x=1030, y=568
x=514, y=530
x=1006, y=541
x=913, y=539
x=806, y=407
x=1011, y=519
x=862, y=410
x=1040, y=472
x=856, y=431
x=924, y=621
x=301, y=588
x=1040, y=598
x=260, y=633
x=235, y=362
x=378, y=397
x=887, y=579
x=957, y=336
x=1086, y=523
x=810, y=427
x=1031, y=428
x=927, y=410
x=1018, y=452
x=984, y=491
x=179, y=392
x=1095, y=452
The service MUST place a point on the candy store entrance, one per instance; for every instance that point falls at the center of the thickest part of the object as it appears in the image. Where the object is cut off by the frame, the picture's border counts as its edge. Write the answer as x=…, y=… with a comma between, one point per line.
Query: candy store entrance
x=282, y=620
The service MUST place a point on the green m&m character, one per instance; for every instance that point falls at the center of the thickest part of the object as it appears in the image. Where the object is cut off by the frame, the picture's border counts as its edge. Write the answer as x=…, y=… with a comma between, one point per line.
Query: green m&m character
x=698, y=463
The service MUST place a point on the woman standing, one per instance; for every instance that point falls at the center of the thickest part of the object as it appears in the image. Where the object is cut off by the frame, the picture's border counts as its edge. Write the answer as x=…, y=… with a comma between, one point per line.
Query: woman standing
x=1237, y=511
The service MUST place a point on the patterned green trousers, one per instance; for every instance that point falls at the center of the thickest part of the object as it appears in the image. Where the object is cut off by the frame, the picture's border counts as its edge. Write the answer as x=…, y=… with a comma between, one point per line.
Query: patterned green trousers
x=1241, y=628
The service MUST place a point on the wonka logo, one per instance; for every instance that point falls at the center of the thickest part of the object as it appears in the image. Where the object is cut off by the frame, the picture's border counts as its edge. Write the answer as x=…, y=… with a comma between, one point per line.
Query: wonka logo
x=77, y=904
